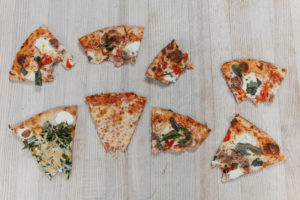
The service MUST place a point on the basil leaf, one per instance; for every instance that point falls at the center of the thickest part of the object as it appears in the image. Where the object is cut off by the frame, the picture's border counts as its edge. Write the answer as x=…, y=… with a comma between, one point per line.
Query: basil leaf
x=244, y=147
x=252, y=86
x=38, y=60
x=23, y=70
x=237, y=70
x=235, y=165
x=171, y=135
x=107, y=47
x=174, y=124
x=257, y=162
x=38, y=78
x=186, y=131
x=158, y=145
x=182, y=142
x=168, y=73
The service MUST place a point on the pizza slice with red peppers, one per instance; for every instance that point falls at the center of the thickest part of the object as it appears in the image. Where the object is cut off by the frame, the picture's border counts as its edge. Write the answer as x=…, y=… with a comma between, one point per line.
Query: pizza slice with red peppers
x=253, y=80
x=169, y=64
x=245, y=149
x=119, y=44
x=116, y=116
x=37, y=57
x=175, y=132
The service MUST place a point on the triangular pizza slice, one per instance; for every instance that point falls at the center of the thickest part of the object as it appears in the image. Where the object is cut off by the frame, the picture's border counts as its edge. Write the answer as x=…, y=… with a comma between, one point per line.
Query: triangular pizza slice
x=116, y=116
x=253, y=80
x=169, y=64
x=245, y=149
x=175, y=132
x=119, y=44
x=49, y=136
x=37, y=57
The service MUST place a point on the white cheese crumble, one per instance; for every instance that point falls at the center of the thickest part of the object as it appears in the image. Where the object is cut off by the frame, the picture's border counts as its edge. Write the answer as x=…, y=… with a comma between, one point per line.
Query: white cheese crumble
x=30, y=76
x=246, y=138
x=44, y=46
x=247, y=79
x=235, y=173
x=64, y=116
x=132, y=48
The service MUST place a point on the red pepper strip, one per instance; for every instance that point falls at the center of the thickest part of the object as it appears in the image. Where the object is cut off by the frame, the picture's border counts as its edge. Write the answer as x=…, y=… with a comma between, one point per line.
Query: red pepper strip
x=68, y=65
x=227, y=137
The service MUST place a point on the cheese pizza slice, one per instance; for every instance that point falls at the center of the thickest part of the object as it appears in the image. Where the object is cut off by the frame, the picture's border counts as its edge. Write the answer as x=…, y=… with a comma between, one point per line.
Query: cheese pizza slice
x=253, y=80
x=175, y=132
x=116, y=116
x=49, y=137
x=245, y=149
x=119, y=44
x=169, y=64
x=37, y=57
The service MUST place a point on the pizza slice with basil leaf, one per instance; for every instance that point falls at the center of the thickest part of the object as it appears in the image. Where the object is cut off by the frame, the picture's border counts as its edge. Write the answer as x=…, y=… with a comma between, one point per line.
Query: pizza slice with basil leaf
x=169, y=64
x=116, y=116
x=175, y=132
x=119, y=44
x=245, y=149
x=253, y=80
x=37, y=57
x=49, y=137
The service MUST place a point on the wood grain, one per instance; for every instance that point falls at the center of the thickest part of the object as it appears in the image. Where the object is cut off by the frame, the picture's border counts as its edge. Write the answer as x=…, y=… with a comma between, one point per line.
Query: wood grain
x=213, y=32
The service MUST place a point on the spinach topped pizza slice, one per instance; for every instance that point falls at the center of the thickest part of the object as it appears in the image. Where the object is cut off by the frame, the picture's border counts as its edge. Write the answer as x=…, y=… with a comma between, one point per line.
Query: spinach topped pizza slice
x=175, y=132
x=254, y=80
x=37, y=57
x=245, y=149
x=49, y=137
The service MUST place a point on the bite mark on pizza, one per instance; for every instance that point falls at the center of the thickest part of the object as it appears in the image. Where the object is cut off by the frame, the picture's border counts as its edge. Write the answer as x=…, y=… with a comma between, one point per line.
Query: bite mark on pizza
x=119, y=44
x=245, y=149
x=175, y=132
x=169, y=64
x=116, y=116
x=37, y=57
x=253, y=80
x=49, y=137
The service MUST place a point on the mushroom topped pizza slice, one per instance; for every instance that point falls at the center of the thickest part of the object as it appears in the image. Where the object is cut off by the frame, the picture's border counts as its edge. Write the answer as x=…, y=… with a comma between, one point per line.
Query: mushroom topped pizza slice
x=169, y=64
x=116, y=116
x=245, y=149
x=37, y=57
x=253, y=80
x=175, y=132
x=49, y=137
x=119, y=44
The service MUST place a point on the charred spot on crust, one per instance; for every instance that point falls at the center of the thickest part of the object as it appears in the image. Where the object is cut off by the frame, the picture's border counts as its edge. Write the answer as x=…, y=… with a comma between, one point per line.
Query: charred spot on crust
x=153, y=68
x=233, y=122
x=21, y=59
x=244, y=66
x=271, y=148
x=176, y=56
x=171, y=45
x=54, y=42
x=260, y=66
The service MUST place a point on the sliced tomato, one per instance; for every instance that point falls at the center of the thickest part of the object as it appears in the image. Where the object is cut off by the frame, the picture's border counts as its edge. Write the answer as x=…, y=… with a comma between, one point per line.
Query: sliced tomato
x=170, y=143
x=118, y=53
x=46, y=59
x=227, y=137
x=177, y=70
x=68, y=65
x=186, y=56
x=264, y=94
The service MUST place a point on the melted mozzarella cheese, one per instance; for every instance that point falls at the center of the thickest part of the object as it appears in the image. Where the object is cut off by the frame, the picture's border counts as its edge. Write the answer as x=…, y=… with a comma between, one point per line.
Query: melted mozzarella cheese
x=247, y=79
x=30, y=76
x=170, y=78
x=64, y=116
x=235, y=173
x=132, y=48
x=44, y=46
x=246, y=138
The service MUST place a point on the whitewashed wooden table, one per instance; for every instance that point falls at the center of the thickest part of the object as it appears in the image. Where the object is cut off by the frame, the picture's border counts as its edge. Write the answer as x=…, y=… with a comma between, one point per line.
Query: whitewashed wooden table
x=213, y=32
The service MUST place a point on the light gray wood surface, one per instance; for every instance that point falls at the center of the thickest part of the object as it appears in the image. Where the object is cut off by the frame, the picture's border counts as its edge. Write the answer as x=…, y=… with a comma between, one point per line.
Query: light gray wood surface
x=213, y=32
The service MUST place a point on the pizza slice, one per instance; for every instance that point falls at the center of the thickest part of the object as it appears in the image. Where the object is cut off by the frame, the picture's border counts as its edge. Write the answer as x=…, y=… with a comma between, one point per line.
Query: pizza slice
x=253, y=80
x=169, y=64
x=37, y=57
x=116, y=116
x=175, y=132
x=245, y=149
x=119, y=44
x=48, y=136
